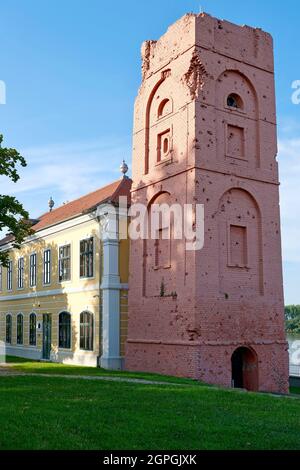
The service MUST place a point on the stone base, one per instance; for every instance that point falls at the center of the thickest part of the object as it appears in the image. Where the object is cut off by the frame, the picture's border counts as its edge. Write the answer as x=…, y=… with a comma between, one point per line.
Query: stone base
x=211, y=363
x=27, y=352
x=112, y=363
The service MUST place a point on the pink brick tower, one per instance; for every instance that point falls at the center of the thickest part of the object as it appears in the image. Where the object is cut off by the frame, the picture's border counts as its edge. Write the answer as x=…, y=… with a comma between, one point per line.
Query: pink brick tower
x=205, y=133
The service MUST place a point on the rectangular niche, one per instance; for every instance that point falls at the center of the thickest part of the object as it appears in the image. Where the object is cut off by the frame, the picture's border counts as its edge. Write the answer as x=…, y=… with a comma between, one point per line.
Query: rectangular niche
x=235, y=141
x=162, y=258
x=163, y=145
x=238, y=251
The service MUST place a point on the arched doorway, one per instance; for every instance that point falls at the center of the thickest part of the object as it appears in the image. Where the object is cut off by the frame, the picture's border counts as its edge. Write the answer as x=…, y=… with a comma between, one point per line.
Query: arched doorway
x=244, y=366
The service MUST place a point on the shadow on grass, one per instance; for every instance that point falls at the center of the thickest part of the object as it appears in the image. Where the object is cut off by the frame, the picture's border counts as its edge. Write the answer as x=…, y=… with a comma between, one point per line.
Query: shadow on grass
x=36, y=367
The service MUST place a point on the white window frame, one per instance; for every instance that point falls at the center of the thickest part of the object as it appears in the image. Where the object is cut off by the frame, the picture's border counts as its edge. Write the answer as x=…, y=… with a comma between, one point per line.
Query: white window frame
x=11, y=327
x=58, y=261
x=21, y=273
x=71, y=331
x=9, y=276
x=22, y=315
x=36, y=323
x=33, y=254
x=93, y=332
x=84, y=278
x=50, y=266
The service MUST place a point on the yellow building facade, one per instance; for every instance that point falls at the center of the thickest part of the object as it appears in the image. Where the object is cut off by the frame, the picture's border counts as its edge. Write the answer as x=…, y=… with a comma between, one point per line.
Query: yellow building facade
x=63, y=296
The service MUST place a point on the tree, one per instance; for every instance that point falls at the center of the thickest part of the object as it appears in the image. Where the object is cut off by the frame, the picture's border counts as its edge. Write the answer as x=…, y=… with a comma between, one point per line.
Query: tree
x=13, y=217
x=292, y=318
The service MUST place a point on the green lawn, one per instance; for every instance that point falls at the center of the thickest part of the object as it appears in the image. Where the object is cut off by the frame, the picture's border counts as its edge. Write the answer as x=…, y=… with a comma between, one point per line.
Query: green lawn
x=56, y=413
x=36, y=367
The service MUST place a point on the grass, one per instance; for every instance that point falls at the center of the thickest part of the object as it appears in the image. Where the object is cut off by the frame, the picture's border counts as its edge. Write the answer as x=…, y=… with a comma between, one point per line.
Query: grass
x=55, y=413
x=36, y=367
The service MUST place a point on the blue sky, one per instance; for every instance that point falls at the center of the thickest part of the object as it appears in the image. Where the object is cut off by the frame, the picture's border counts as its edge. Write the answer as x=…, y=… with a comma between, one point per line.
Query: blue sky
x=72, y=70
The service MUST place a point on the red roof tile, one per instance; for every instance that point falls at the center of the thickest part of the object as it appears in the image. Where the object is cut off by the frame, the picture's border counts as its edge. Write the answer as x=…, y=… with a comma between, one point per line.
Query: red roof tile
x=84, y=204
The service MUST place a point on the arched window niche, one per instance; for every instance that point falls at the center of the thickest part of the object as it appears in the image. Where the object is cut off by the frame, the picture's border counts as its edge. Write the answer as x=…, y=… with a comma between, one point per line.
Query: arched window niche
x=86, y=331
x=20, y=329
x=165, y=107
x=32, y=329
x=234, y=101
x=8, y=331
x=64, y=330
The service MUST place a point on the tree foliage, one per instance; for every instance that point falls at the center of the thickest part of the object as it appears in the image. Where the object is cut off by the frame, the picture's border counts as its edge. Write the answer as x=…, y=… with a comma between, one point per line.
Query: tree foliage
x=292, y=318
x=13, y=217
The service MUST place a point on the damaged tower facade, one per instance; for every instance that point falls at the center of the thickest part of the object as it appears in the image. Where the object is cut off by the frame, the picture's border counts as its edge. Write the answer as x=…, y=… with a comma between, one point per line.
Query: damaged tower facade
x=205, y=133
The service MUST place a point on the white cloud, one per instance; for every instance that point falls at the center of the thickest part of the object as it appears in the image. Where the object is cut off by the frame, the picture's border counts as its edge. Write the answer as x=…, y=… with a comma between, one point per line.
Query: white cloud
x=65, y=171
x=289, y=166
x=69, y=170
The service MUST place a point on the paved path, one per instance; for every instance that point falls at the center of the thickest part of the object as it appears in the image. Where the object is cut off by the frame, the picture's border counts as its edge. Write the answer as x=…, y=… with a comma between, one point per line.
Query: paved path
x=5, y=372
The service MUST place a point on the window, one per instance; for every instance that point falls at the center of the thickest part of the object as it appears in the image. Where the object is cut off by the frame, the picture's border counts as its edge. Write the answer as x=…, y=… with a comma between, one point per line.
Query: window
x=20, y=328
x=162, y=248
x=8, y=328
x=86, y=331
x=161, y=223
x=32, y=329
x=87, y=257
x=65, y=263
x=32, y=270
x=235, y=142
x=9, y=276
x=163, y=145
x=238, y=246
x=64, y=330
x=20, y=273
x=234, y=101
x=47, y=266
x=164, y=108
x=1, y=277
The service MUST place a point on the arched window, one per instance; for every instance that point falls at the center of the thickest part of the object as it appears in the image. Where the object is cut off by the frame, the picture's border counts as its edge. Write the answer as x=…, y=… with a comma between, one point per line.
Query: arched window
x=86, y=331
x=32, y=329
x=20, y=328
x=234, y=101
x=64, y=330
x=8, y=328
x=164, y=108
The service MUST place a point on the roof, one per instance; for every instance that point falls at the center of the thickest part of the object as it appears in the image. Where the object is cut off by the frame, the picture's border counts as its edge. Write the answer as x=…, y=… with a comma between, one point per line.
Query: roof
x=80, y=206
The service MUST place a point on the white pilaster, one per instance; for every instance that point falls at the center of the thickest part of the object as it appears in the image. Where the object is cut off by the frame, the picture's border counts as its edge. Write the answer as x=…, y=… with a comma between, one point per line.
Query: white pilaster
x=110, y=286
